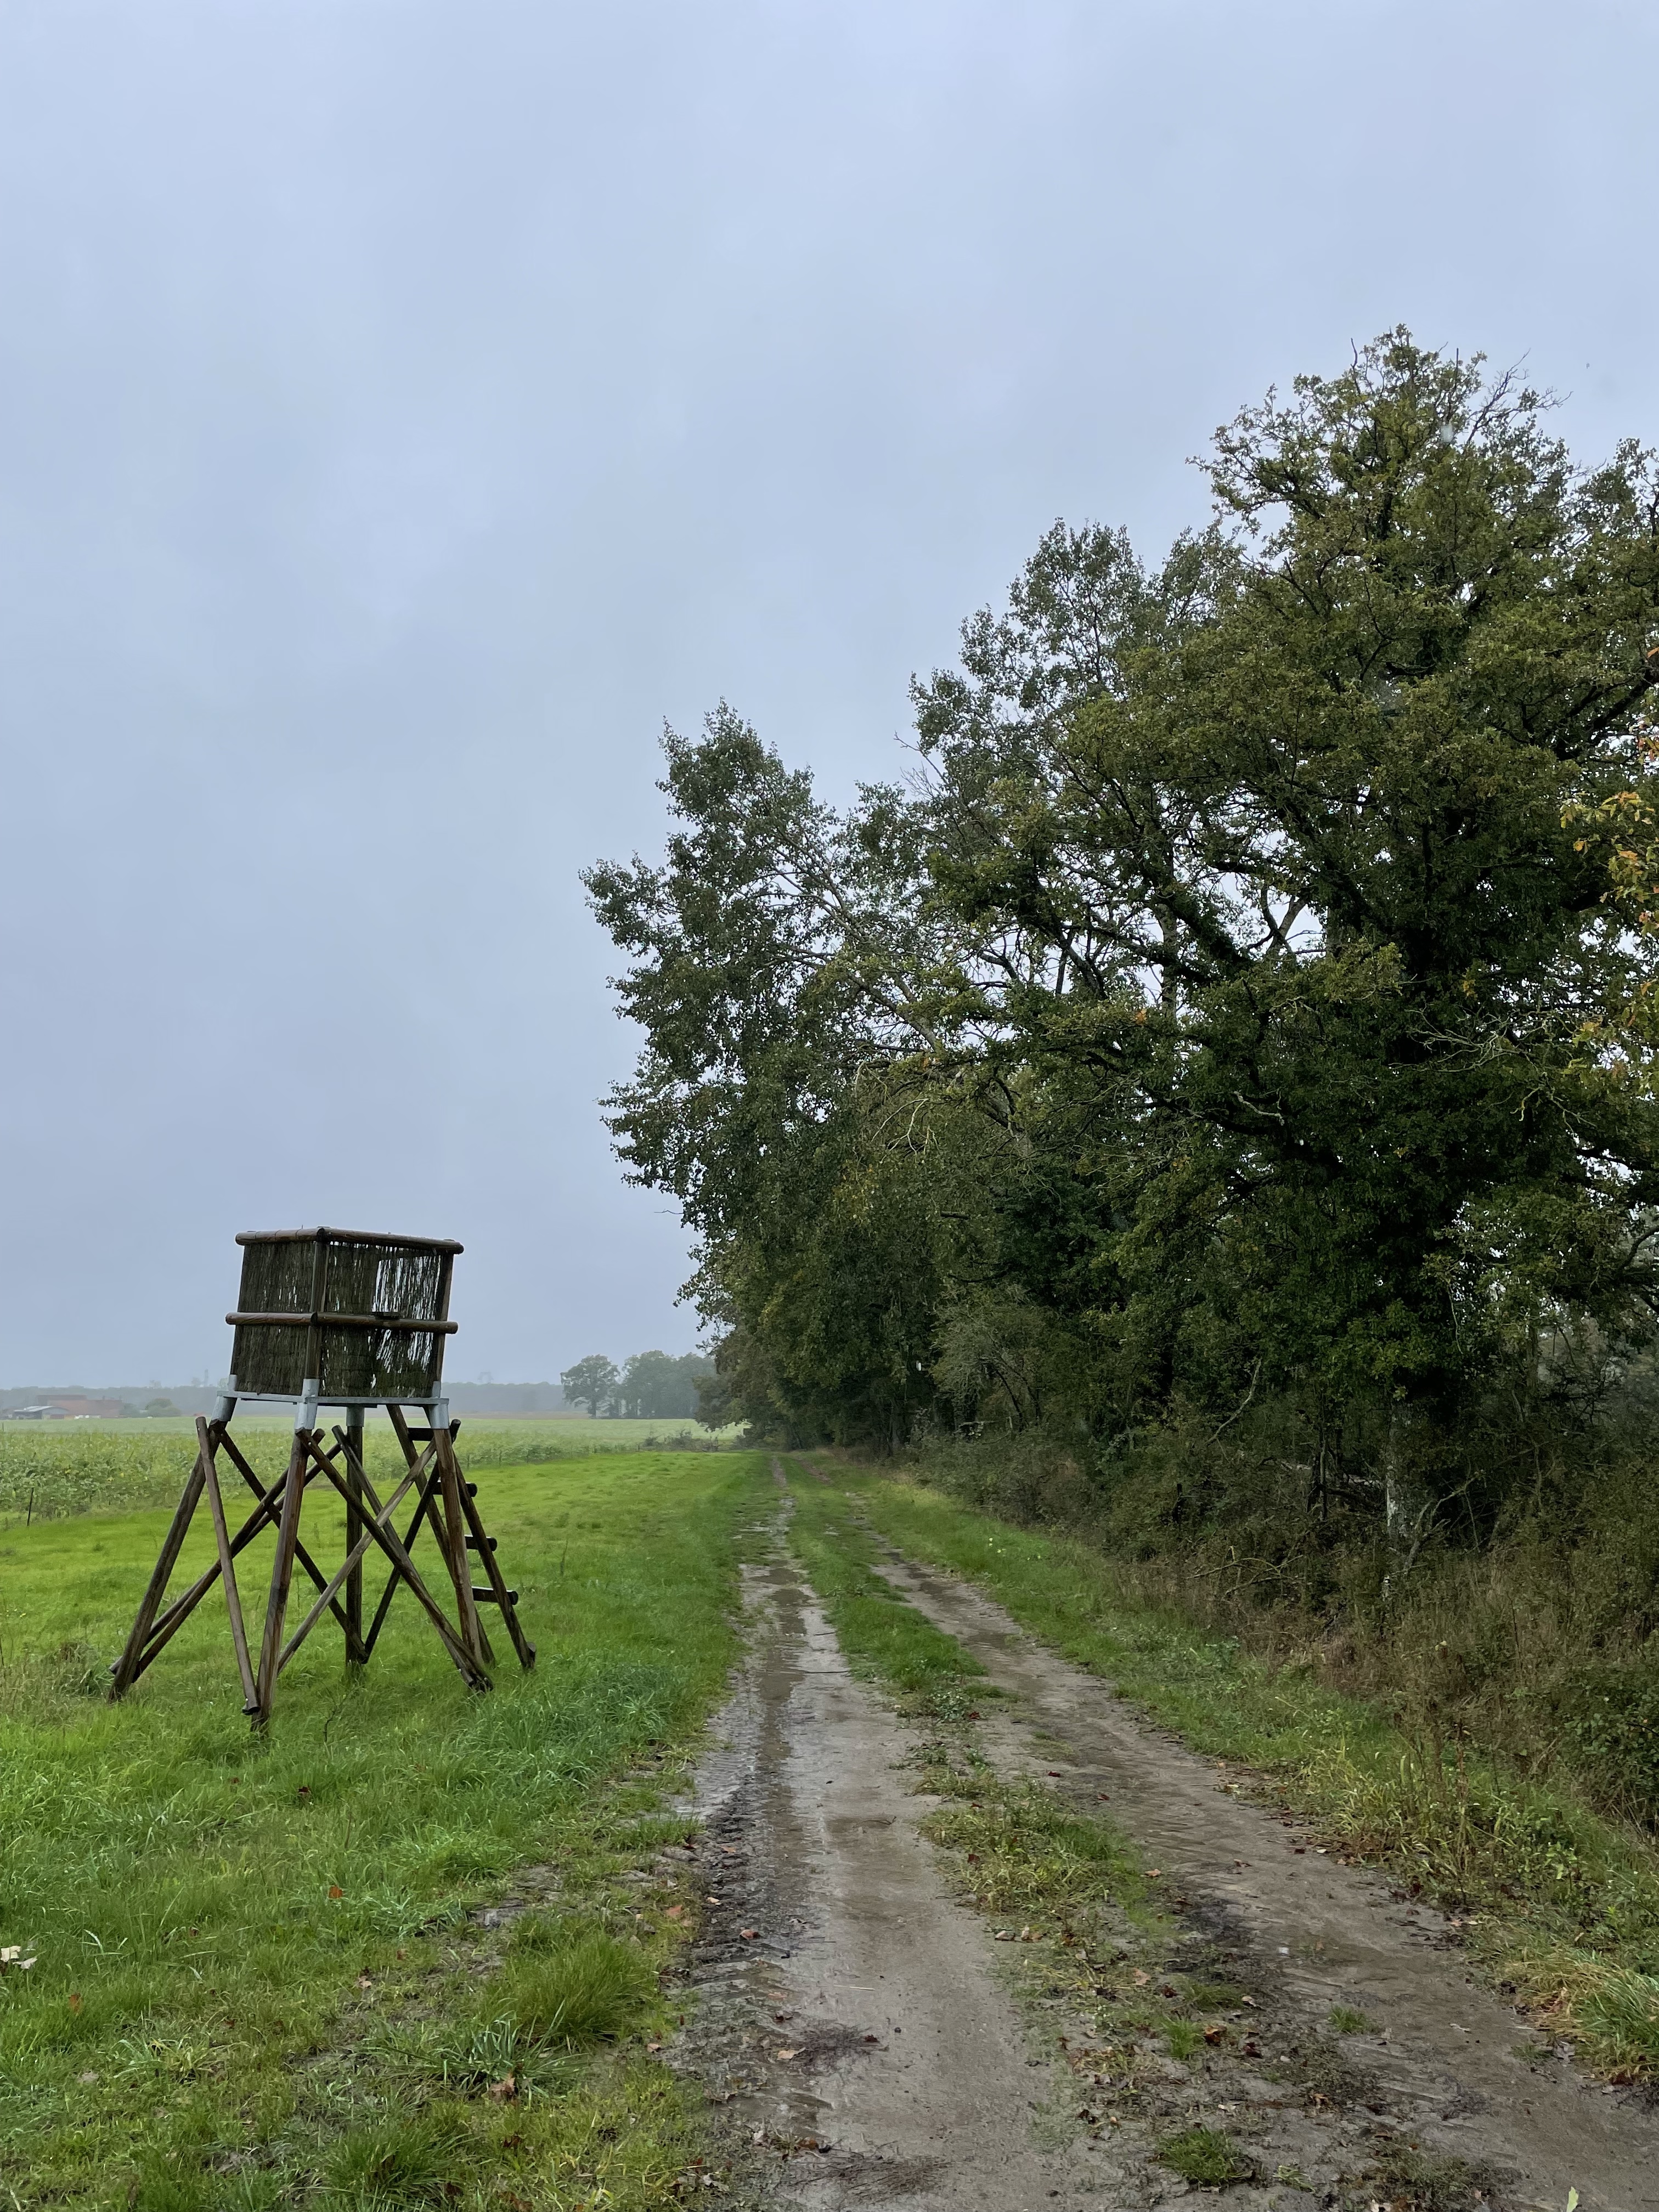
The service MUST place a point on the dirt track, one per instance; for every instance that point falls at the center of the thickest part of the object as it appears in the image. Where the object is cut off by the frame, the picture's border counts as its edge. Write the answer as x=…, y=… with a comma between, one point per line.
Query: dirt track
x=872, y=2047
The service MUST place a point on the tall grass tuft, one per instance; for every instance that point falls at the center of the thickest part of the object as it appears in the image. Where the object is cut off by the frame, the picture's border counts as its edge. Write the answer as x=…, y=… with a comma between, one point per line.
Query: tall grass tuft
x=395, y=2165
x=565, y=1985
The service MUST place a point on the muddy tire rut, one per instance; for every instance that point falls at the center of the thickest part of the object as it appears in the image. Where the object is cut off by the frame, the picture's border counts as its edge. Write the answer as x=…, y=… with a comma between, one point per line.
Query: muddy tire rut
x=869, y=2043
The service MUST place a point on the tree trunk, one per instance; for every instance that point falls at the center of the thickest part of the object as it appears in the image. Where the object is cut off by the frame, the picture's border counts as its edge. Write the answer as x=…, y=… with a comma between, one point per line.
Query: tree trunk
x=1407, y=1500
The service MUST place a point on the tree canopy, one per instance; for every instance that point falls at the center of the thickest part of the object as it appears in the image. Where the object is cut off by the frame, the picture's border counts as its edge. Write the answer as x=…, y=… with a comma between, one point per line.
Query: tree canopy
x=651, y=1386
x=1248, y=992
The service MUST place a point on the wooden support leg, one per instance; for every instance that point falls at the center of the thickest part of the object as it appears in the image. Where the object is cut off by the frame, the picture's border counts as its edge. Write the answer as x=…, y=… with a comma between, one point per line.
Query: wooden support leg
x=208, y=1440
x=282, y=1573
x=471, y=1669
x=353, y=1558
x=228, y=1446
x=422, y=1511
x=460, y=1567
x=168, y=1624
x=421, y=1470
x=127, y=1667
x=355, y=1652
x=504, y=1597
x=426, y=1509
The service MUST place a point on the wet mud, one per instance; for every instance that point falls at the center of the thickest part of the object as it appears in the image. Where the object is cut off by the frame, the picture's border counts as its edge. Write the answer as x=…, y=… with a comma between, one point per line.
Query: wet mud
x=1454, y=2068
x=849, y=2014
x=868, y=2043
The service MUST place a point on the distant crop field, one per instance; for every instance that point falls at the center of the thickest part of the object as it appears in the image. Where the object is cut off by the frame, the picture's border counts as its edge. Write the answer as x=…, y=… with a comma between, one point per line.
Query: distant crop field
x=51, y=1468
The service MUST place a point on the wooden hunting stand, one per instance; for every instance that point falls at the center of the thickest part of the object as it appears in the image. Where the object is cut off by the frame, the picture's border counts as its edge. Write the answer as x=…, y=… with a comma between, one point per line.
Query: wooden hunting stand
x=329, y=1317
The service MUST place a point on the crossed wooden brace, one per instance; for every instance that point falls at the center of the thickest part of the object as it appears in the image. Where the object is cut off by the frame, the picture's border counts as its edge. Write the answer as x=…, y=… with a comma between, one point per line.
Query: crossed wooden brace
x=431, y=1470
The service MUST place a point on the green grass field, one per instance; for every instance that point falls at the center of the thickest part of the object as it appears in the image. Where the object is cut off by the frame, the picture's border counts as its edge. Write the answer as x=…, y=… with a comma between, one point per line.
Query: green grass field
x=256, y=1978
x=51, y=1468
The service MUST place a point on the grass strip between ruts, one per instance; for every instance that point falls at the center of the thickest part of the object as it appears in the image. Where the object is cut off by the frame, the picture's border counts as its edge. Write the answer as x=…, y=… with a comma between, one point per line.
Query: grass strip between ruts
x=1106, y=1953
x=1556, y=1902
x=259, y=1979
x=1069, y=1886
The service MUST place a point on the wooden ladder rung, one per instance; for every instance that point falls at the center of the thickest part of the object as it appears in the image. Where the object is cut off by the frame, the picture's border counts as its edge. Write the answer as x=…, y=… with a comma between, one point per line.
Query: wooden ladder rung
x=472, y=1543
x=488, y=1597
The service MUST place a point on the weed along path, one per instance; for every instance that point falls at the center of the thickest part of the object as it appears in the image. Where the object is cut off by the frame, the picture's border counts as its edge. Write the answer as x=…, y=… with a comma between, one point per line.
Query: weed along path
x=973, y=1936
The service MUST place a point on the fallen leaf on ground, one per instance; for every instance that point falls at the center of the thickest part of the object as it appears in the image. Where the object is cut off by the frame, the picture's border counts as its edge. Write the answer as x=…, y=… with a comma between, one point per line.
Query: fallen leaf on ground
x=504, y=2090
x=1140, y=1980
x=675, y=1912
x=788, y=2054
x=749, y=1934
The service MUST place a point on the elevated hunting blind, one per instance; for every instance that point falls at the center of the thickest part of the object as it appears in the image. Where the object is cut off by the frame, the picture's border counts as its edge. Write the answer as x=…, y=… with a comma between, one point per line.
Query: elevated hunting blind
x=330, y=1317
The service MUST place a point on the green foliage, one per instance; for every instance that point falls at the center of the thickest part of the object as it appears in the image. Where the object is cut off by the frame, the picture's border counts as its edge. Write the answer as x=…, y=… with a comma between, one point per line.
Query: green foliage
x=1238, y=1013
x=48, y=1472
x=395, y=2165
x=1203, y=2155
x=655, y=1387
x=880, y=1634
x=650, y=1387
x=568, y=1985
x=591, y=1382
x=1609, y=1717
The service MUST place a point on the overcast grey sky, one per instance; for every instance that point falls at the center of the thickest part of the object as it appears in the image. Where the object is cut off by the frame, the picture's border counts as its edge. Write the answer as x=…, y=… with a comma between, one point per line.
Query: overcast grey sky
x=406, y=405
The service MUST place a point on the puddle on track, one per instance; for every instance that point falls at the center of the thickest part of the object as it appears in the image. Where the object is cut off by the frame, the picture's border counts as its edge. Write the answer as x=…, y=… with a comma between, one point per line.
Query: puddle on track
x=910, y=2061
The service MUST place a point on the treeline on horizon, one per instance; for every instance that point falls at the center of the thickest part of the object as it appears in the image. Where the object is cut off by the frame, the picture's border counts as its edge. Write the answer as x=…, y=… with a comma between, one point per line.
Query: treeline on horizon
x=651, y=1386
x=1212, y=1093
